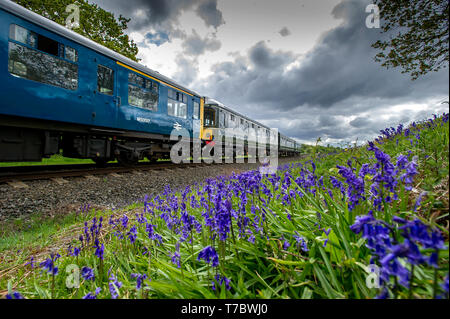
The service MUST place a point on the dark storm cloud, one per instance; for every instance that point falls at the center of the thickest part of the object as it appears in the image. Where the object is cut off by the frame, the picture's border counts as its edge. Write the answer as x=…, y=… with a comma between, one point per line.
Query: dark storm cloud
x=162, y=14
x=194, y=45
x=263, y=58
x=207, y=10
x=340, y=67
x=360, y=122
x=285, y=32
x=338, y=77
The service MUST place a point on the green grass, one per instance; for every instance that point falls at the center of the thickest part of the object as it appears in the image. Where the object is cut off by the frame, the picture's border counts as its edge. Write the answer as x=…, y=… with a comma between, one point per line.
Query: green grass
x=258, y=262
x=54, y=160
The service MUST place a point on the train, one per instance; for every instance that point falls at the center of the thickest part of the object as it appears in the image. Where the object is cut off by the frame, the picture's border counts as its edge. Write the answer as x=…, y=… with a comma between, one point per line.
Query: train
x=63, y=93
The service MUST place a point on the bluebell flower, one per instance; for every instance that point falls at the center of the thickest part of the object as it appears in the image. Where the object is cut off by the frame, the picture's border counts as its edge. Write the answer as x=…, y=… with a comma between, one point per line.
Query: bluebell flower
x=114, y=286
x=209, y=254
x=14, y=295
x=444, y=285
x=49, y=264
x=301, y=243
x=91, y=295
x=87, y=273
x=139, y=280
x=31, y=263
x=221, y=280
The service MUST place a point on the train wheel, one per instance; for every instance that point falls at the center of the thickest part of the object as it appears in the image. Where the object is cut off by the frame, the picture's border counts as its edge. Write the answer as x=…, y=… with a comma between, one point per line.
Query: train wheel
x=127, y=159
x=100, y=162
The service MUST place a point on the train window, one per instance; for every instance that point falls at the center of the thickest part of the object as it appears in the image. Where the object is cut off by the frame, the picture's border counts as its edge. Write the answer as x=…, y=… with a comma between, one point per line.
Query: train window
x=136, y=79
x=142, y=98
x=171, y=94
x=48, y=45
x=210, y=117
x=19, y=34
x=148, y=84
x=37, y=66
x=71, y=54
x=196, y=110
x=105, y=80
x=175, y=108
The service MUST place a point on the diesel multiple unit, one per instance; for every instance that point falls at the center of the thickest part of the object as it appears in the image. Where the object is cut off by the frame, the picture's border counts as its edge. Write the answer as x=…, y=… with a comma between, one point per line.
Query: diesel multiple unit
x=63, y=92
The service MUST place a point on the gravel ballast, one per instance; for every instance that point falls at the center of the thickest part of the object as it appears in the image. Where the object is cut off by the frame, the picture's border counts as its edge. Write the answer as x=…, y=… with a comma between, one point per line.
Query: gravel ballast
x=105, y=192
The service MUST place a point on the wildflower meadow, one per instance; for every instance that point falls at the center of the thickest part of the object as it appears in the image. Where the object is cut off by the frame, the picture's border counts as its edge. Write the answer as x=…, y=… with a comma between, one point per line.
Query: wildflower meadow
x=365, y=222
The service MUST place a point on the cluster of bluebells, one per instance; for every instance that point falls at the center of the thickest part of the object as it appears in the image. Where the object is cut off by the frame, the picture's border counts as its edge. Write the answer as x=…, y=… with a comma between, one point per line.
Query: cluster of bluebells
x=49, y=264
x=209, y=255
x=244, y=200
x=15, y=295
x=87, y=273
x=139, y=280
x=384, y=175
x=114, y=286
x=93, y=295
x=220, y=280
x=394, y=253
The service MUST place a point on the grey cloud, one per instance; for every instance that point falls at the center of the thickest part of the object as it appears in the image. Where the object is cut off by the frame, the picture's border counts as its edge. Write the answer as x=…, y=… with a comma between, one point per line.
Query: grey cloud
x=194, y=45
x=338, y=77
x=338, y=68
x=208, y=11
x=162, y=14
x=285, y=32
x=187, y=70
x=262, y=57
x=360, y=122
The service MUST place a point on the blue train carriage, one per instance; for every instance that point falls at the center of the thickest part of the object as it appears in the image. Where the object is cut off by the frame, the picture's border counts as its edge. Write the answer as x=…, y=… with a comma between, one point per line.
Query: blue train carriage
x=217, y=117
x=62, y=91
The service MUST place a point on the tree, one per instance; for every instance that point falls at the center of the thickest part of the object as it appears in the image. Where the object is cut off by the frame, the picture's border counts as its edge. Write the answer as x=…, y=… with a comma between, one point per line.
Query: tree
x=96, y=23
x=418, y=35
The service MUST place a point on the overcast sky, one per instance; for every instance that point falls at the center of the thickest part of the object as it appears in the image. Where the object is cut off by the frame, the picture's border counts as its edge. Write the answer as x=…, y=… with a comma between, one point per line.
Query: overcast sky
x=303, y=66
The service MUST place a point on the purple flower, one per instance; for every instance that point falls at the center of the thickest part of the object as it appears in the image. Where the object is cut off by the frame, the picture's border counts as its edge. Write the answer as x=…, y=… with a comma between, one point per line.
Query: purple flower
x=445, y=284
x=139, y=280
x=14, y=295
x=209, y=255
x=49, y=264
x=91, y=295
x=87, y=273
x=31, y=263
x=221, y=280
x=301, y=243
x=114, y=286
x=99, y=250
x=132, y=234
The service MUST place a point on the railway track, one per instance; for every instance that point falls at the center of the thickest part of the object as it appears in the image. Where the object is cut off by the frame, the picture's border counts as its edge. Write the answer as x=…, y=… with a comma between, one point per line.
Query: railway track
x=16, y=175
x=58, y=172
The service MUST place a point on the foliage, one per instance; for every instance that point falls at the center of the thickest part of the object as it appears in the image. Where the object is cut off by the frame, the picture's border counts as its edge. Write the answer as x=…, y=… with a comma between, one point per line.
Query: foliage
x=96, y=23
x=420, y=42
x=309, y=231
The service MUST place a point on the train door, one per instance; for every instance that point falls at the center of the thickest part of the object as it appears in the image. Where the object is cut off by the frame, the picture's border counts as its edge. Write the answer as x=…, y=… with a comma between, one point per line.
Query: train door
x=106, y=99
x=196, y=120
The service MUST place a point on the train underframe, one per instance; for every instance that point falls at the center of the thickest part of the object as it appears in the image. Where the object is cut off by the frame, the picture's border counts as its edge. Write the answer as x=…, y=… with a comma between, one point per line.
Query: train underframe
x=26, y=140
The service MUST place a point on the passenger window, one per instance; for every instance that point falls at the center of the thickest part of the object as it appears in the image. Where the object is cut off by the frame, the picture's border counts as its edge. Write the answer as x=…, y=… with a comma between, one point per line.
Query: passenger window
x=141, y=92
x=176, y=105
x=40, y=67
x=136, y=79
x=105, y=80
x=20, y=34
x=196, y=110
x=48, y=45
x=71, y=54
